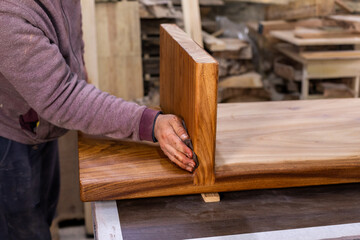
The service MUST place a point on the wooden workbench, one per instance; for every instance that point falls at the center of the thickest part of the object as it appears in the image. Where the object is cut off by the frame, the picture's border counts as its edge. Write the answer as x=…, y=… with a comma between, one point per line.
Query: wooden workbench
x=325, y=212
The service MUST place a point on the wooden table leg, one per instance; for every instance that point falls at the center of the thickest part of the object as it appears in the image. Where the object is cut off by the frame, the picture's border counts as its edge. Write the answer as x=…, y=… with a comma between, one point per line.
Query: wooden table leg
x=304, y=85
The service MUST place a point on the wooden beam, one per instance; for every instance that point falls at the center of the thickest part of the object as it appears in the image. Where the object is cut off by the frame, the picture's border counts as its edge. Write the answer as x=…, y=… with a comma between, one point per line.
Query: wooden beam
x=188, y=88
x=192, y=20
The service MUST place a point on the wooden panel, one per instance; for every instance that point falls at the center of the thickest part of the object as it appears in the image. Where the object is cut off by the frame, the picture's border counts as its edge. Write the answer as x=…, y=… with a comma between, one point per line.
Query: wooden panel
x=188, y=88
x=288, y=36
x=301, y=9
x=119, y=49
x=333, y=68
x=90, y=41
x=187, y=217
x=259, y=145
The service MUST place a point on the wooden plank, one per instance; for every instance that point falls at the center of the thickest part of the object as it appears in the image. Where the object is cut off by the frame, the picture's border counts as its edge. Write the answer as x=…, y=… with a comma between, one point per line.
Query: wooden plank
x=89, y=37
x=319, y=33
x=246, y=80
x=301, y=9
x=188, y=88
x=277, y=2
x=252, y=212
x=258, y=145
x=213, y=43
x=331, y=55
x=119, y=48
x=289, y=36
x=352, y=20
x=333, y=68
x=192, y=20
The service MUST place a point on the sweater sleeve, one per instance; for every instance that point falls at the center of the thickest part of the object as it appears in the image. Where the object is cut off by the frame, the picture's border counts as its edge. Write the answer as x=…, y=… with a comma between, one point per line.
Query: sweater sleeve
x=39, y=73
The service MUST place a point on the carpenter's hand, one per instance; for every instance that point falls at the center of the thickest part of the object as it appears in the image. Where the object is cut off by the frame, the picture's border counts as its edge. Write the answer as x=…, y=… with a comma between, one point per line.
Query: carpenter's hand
x=170, y=133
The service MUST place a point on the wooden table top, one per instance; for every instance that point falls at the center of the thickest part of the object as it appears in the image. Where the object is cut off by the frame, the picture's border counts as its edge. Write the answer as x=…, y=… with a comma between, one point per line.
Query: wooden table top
x=259, y=145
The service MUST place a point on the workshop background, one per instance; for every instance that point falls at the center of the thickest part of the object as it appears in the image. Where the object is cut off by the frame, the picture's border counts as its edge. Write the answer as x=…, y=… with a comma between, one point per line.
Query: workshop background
x=259, y=45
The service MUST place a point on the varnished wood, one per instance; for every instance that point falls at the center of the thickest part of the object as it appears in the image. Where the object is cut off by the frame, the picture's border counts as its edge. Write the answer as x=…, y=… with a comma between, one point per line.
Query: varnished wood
x=259, y=145
x=188, y=88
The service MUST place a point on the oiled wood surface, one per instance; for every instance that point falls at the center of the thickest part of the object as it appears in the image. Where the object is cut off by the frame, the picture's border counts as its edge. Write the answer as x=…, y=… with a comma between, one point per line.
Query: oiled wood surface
x=188, y=88
x=184, y=217
x=259, y=145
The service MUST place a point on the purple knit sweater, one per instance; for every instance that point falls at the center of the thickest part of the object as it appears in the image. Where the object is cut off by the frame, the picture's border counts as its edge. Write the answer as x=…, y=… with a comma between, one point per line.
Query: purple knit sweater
x=43, y=90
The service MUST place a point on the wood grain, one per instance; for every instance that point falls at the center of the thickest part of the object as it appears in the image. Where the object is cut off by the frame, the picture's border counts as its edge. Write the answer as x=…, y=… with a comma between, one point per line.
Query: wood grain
x=119, y=49
x=188, y=88
x=259, y=145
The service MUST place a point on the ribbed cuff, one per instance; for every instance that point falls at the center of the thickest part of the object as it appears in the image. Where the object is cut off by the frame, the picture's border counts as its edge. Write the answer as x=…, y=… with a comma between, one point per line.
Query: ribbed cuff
x=147, y=123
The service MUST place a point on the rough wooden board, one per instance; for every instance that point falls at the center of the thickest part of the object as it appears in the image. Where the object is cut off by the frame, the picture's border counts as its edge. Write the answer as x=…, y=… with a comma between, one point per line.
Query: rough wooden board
x=246, y=80
x=331, y=55
x=288, y=36
x=301, y=9
x=188, y=88
x=259, y=145
x=310, y=33
x=119, y=49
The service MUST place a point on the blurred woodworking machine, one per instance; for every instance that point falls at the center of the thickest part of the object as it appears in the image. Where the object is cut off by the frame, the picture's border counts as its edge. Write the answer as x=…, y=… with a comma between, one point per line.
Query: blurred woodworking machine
x=239, y=146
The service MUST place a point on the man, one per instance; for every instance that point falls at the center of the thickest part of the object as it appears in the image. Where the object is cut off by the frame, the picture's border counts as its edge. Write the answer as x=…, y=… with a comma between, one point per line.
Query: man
x=43, y=92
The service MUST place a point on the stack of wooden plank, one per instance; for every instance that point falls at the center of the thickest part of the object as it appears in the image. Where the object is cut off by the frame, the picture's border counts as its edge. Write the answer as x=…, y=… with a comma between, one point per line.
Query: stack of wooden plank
x=152, y=14
x=236, y=68
x=315, y=44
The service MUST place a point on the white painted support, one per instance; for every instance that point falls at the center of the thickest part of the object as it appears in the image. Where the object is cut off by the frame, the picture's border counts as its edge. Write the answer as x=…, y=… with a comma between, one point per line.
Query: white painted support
x=312, y=233
x=106, y=221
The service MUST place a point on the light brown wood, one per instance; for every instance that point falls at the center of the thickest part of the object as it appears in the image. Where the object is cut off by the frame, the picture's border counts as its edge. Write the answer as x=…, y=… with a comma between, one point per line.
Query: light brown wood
x=192, y=20
x=278, y=2
x=318, y=33
x=301, y=9
x=188, y=88
x=119, y=48
x=344, y=6
x=213, y=43
x=90, y=42
x=210, y=197
x=289, y=36
x=259, y=145
x=246, y=80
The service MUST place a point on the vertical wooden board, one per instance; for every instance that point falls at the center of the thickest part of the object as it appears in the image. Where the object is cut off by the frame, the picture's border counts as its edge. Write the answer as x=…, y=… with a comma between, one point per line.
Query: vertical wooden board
x=192, y=20
x=119, y=49
x=188, y=88
x=90, y=42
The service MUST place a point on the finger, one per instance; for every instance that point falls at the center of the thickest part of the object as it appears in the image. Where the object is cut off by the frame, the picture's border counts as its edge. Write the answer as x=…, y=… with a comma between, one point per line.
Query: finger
x=180, y=156
x=177, y=162
x=180, y=145
x=179, y=129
